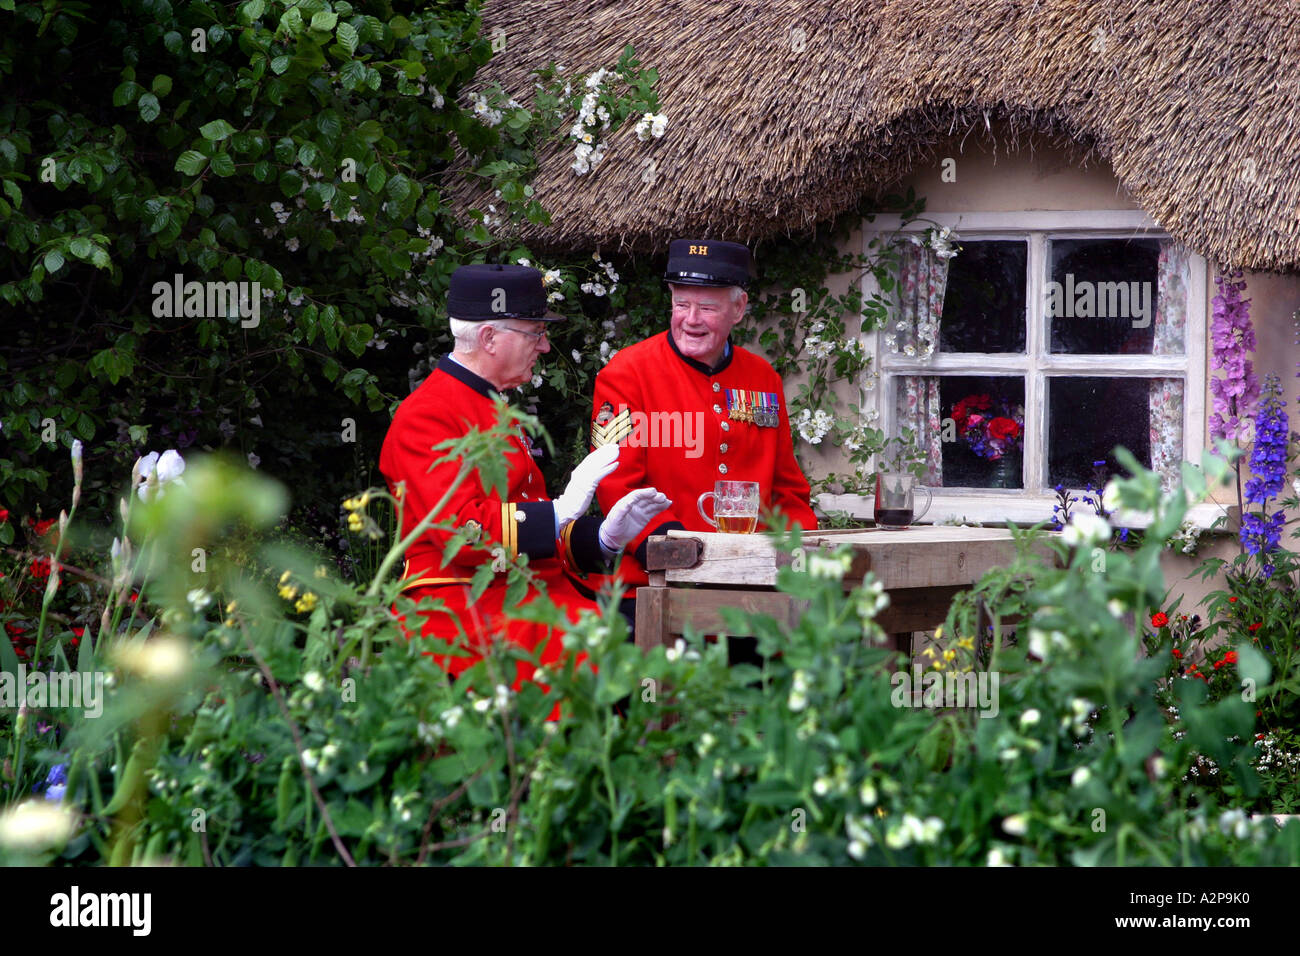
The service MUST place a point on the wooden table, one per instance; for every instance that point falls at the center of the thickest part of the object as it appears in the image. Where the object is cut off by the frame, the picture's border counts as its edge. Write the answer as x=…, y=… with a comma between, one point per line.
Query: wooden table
x=694, y=575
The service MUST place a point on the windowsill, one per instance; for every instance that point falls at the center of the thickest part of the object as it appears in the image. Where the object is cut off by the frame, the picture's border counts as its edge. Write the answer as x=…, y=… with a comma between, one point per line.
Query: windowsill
x=993, y=508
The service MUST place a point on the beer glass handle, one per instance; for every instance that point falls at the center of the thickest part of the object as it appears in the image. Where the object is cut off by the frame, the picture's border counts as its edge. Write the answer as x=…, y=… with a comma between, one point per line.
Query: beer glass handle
x=700, y=505
x=929, y=500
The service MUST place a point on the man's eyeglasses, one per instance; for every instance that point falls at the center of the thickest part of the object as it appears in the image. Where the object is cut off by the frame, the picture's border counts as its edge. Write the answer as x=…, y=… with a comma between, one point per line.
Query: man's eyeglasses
x=537, y=336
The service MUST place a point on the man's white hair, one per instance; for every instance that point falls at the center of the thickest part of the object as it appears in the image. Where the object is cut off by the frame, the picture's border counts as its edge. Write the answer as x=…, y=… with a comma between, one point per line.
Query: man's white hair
x=466, y=333
x=735, y=290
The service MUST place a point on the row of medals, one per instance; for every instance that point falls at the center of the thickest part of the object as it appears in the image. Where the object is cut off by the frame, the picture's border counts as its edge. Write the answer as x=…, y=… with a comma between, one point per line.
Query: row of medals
x=740, y=410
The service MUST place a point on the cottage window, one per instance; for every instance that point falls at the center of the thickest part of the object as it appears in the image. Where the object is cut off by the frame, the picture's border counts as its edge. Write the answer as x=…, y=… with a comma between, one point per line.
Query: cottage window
x=1075, y=331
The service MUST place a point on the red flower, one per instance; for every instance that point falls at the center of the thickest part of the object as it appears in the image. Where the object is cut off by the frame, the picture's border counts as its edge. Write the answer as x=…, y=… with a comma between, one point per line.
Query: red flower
x=1259, y=736
x=79, y=631
x=1255, y=627
x=1259, y=713
x=1218, y=664
x=4, y=515
x=1159, y=619
x=14, y=629
x=963, y=407
x=40, y=567
x=1176, y=652
x=41, y=527
x=1232, y=599
x=1229, y=658
x=1003, y=428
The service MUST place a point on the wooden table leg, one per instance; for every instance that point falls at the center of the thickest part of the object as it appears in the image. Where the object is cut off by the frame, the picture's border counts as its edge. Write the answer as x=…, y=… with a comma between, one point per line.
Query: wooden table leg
x=652, y=620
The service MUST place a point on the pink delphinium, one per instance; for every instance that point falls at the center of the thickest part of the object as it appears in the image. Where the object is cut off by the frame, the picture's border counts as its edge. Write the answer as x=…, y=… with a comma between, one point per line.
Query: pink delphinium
x=1231, y=337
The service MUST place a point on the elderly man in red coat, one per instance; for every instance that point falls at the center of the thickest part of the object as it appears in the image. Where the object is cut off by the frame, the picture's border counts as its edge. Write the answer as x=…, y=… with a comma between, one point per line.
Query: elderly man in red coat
x=690, y=408
x=499, y=321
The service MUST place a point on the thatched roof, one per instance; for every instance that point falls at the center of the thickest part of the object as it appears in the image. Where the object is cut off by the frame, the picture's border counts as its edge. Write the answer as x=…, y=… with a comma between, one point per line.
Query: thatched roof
x=1194, y=103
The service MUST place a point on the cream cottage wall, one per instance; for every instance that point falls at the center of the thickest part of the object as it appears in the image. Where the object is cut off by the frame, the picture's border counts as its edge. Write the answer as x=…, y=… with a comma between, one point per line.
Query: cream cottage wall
x=1043, y=185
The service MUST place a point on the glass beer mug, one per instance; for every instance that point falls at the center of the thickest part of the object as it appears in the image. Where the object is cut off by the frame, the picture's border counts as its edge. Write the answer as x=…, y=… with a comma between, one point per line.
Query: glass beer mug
x=735, y=506
x=896, y=502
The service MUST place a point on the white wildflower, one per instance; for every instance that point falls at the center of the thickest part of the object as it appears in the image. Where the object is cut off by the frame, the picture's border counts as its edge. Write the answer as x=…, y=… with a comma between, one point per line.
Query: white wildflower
x=35, y=825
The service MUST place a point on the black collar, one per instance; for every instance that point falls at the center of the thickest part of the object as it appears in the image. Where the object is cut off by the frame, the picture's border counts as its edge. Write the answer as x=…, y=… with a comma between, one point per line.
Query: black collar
x=728, y=353
x=460, y=373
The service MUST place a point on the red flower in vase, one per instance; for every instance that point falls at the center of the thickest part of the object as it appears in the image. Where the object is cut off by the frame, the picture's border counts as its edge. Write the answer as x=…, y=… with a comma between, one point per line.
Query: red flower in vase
x=991, y=429
x=1003, y=428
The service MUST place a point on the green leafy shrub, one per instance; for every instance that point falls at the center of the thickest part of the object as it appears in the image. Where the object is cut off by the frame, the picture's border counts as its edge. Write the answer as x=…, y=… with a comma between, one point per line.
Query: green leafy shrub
x=244, y=726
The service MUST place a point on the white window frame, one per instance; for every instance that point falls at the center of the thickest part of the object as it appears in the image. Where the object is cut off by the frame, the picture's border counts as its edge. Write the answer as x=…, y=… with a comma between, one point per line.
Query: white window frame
x=989, y=505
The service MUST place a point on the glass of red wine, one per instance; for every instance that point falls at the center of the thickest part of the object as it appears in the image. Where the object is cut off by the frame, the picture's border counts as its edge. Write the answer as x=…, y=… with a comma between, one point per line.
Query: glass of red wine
x=896, y=501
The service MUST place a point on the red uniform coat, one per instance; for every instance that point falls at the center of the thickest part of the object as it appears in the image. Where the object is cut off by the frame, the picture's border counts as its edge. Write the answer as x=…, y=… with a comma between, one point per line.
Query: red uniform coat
x=673, y=416
x=450, y=402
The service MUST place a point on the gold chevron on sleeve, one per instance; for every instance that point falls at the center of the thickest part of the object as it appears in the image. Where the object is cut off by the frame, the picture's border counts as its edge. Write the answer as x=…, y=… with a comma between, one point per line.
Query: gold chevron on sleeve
x=566, y=543
x=509, y=532
x=615, y=430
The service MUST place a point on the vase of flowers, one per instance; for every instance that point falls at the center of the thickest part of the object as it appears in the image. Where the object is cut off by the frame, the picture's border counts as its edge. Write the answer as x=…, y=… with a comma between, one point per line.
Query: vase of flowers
x=994, y=429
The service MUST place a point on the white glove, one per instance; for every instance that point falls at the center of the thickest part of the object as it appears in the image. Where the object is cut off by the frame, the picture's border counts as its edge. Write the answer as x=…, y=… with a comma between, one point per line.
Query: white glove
x=629, y=517
x=582, y=484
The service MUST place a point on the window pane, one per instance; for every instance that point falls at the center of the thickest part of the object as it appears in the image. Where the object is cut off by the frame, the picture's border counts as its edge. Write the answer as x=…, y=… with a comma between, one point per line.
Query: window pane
x=987, y=431
x=984, y=302
x=1101, y=296
x=1087, y=417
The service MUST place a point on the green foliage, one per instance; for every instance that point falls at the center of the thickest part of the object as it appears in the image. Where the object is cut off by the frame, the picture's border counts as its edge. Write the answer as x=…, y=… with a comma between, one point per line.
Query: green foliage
x=305, y=147
x=303, y=727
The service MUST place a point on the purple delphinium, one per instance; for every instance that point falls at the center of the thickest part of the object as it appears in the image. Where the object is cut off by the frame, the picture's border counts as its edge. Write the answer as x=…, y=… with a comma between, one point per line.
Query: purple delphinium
x=1232, y=336
x=1268, y=460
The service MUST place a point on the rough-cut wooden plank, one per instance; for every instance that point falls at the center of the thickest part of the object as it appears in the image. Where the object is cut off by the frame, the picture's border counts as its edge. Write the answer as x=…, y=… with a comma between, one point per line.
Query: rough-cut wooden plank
x=917, y=557
x=916, y=609
x=702, y=609
x=651, y=617
x=663, y=552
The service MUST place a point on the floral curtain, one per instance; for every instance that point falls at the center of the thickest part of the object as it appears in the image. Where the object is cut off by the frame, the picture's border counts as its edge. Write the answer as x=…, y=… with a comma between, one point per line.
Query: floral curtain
x=917, y=407
x=923, y=277
x=1165, y=397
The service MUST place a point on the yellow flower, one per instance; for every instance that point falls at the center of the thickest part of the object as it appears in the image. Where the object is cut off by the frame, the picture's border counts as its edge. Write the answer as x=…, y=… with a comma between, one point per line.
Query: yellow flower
x=230, y=622
x=284, y=577
x=928, y=652
x=321, y=572
x=949, y=655
x=357, y=503
x=938, y=632
x=288, y=592
x=937, y=665
x=880, y=811
x=354, y=522
x=967, y=642
x=230, y=608
x=305, y=603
